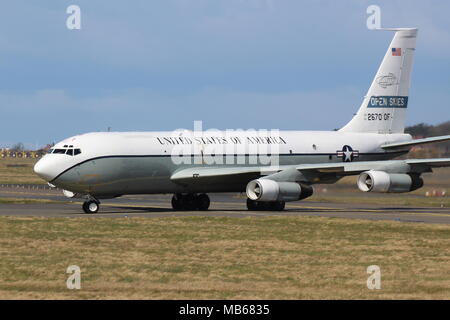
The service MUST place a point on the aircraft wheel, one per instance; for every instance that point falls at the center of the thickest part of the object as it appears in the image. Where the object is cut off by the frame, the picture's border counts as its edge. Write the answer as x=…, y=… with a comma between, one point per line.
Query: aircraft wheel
x=252, y=205
x=202, y=202
x=265, y=205
x=184, y=202
x=190, y=202
x=277, y=205
x=91, y=206
x=177, y=202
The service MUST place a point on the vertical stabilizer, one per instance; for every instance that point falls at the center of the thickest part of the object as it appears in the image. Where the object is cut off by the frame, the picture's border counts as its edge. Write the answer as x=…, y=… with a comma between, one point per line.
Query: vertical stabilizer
x=383, y=109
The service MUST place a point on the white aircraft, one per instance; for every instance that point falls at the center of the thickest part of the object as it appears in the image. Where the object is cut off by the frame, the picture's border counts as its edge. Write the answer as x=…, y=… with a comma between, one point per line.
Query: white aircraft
x=190, y=164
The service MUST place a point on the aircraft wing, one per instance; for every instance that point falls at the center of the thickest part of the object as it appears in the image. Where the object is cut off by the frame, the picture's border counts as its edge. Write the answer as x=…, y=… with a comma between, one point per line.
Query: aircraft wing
x=208, y=174
x=432, y=163
x=412, y=143
x=313, y=173
x=413, y=165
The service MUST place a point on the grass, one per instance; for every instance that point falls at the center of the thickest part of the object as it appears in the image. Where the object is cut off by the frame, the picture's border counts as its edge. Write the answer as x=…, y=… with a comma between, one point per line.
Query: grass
x=382, y=200
x=26, y=201
x=18, y=171
x=222, y=258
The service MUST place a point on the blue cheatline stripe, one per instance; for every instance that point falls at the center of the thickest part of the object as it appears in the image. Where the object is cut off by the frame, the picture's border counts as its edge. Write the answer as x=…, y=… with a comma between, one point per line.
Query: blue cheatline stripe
x=388, y=102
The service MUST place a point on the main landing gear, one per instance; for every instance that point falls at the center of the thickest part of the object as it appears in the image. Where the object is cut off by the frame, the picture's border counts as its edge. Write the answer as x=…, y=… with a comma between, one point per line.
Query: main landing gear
x=91, y=206
x=265, y=205
x=190, y=201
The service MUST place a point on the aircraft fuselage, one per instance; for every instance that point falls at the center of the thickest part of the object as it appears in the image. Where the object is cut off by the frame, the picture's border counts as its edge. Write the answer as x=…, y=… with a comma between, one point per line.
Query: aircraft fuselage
x=112, y=163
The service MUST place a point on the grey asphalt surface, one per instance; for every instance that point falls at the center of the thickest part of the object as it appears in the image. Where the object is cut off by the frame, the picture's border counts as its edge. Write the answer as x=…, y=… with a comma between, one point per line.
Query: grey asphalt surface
x=230, y=205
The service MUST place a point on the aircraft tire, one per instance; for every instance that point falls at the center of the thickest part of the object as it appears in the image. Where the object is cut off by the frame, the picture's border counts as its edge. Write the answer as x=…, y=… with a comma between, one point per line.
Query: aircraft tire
x=277, y=205
x=190, y=202
x=177, y=202
x=265, y=205
x=91, y=206
x=252, y=205
x=202, y=202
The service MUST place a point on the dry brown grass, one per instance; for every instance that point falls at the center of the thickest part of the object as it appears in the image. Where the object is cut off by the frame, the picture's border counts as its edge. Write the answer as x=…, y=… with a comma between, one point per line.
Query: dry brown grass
x=215, y=258
x=26, y=201
x=18, y=170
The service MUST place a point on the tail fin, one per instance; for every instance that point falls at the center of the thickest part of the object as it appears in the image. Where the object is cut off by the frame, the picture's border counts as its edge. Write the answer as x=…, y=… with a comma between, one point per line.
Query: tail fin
x=384, y=107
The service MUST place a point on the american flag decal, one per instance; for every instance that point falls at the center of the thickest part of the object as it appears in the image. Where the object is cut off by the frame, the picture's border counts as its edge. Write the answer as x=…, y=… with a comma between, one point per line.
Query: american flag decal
x=396, y=52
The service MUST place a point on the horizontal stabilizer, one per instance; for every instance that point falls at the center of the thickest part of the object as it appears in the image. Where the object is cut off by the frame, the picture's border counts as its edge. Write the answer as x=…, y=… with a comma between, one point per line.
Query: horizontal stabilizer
x=409, y=144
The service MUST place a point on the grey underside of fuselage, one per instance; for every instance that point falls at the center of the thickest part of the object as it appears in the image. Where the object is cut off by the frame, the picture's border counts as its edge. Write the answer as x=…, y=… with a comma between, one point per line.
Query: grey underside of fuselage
x=118, y=175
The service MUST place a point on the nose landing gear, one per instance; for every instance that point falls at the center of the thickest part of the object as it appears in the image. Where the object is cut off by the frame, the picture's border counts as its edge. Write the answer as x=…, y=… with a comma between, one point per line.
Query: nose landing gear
x=91, y=206
x=190, y=202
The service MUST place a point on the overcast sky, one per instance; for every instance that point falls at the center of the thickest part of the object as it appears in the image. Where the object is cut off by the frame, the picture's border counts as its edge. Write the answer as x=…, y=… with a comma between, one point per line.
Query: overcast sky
x=160, y=65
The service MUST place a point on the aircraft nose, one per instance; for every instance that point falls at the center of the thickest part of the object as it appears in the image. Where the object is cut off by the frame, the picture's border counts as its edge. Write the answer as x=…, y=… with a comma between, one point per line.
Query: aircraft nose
x=44, y=169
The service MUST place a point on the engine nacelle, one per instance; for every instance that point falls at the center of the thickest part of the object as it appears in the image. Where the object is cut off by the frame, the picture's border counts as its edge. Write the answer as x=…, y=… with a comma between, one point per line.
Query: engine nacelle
x=380, y=181
x=270, y=190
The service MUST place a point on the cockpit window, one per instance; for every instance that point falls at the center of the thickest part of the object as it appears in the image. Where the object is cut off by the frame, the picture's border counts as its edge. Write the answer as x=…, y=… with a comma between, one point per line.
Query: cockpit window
x=50, y=151
x=70, y=151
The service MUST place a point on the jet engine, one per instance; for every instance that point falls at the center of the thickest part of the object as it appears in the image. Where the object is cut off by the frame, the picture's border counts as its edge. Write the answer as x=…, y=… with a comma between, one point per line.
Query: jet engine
x=380, y=181
x=270, y=190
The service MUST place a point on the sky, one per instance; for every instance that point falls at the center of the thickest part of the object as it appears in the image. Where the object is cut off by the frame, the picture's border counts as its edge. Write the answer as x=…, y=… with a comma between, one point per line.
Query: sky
x=146, y=65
